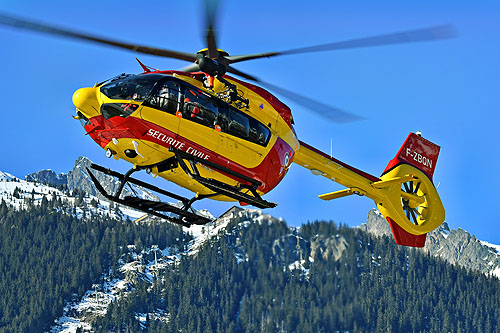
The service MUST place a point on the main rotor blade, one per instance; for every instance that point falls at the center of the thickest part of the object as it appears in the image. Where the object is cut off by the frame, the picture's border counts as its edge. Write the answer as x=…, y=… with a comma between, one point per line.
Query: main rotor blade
x=233, y=70
x=190, y=68
x=411, y=36
x=211, y=7
x=329, y=112
x=51, y=30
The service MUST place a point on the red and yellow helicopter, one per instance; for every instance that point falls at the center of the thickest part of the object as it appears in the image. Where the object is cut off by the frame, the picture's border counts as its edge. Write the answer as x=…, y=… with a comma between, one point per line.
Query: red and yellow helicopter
x=231, y=140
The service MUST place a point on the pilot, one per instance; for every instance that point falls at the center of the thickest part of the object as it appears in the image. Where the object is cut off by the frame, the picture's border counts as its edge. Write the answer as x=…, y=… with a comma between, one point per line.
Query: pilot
x=168, y=100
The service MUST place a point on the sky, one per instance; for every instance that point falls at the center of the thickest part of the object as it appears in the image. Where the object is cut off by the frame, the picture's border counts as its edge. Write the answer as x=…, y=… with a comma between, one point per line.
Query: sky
x=446, y=89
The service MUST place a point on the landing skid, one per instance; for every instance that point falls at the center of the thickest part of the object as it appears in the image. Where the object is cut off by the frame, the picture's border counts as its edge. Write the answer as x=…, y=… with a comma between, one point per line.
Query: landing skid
x=183, y=216
x=245, y=192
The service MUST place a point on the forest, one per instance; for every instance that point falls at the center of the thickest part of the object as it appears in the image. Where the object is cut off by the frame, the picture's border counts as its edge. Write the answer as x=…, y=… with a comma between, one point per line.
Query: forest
x=376, y=286
x=49, y=257
x=238, y=281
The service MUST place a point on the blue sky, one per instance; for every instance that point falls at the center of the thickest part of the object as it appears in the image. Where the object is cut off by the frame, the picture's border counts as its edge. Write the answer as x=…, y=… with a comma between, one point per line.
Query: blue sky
x=446, y=89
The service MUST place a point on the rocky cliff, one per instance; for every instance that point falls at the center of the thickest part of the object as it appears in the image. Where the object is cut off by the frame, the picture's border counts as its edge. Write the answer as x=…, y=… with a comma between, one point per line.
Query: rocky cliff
x=458, y=247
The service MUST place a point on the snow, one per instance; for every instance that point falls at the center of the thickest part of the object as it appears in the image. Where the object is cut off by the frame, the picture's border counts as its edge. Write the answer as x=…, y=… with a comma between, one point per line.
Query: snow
x=77, y=313
x=445, y=233
x=5, y=176
x=496, y=272
x=493, y=246
x=202, y=233
x=34, y=192
x=496, y=250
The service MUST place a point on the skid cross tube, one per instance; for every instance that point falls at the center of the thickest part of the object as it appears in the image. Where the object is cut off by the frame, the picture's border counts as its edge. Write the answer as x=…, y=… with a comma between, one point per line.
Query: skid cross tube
x=156, y=208
x=219, y=187
x=135, y=181
x=189, y=157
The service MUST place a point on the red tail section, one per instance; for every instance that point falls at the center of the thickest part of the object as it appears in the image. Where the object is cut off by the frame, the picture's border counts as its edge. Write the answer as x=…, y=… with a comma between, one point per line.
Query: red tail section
x=403, y=237
x=422, y=154
x=419, y=152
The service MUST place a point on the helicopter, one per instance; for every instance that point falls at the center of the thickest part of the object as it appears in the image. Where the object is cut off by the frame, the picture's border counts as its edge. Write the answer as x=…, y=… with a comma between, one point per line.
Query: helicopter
x=229, y=139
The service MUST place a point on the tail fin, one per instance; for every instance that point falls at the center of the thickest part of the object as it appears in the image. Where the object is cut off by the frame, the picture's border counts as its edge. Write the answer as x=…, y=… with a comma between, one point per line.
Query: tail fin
x=419, y=152
x=420, y=202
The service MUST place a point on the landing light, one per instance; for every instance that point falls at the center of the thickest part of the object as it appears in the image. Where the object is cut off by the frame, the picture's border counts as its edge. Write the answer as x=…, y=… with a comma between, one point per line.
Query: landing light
x=316, y=172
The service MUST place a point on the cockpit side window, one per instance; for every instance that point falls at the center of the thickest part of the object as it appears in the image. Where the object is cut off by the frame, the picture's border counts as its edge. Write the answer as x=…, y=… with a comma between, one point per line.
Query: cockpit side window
x=259, y=133
x=166, y=97
x=136, y=87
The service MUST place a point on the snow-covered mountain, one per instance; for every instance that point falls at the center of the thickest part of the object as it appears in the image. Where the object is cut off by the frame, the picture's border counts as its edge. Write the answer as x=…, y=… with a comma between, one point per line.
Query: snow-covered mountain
x=143, y=264
x=74, y=190
x=4, y=176
x=454, y=246
x=78, y=178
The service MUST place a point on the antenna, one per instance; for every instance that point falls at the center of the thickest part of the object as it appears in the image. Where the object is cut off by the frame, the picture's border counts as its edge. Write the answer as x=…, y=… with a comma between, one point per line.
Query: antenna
x=331, y=147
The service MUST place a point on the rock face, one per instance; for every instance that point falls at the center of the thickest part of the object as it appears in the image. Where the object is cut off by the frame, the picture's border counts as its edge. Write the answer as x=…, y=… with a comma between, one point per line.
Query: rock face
x=461, y=248
x=458, y=247
x=292, y=246
x=79, y=179
x=48, y=177
x=328, y=247
x=376, y=224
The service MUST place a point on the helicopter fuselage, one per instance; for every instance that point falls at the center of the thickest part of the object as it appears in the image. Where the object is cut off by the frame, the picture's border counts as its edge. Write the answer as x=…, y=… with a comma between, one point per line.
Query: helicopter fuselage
x=143, y=118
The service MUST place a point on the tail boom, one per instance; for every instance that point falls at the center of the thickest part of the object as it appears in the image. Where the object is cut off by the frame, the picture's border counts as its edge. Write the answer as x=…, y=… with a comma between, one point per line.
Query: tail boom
x=404, y=193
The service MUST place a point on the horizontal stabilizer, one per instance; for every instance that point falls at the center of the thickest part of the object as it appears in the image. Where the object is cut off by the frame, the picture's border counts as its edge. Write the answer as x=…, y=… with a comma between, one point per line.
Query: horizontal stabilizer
x=337, y=194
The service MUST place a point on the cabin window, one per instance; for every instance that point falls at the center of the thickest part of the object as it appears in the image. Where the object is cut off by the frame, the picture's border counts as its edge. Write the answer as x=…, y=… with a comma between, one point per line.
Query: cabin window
x=202, y=108
x=166, y=97
x=136, y=87
x=199, y=107
x=259, y=133
x=239, y=124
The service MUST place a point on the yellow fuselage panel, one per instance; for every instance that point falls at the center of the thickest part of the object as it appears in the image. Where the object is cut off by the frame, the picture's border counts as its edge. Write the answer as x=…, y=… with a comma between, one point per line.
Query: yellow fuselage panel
x=152, y=153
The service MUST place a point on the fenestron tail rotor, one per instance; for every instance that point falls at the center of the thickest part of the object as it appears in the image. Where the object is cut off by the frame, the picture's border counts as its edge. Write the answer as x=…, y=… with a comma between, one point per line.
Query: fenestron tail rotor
x=412, y=208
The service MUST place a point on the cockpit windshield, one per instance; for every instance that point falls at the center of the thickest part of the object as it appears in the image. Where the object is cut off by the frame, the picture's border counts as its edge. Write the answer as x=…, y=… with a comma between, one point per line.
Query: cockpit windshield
x=136, y=87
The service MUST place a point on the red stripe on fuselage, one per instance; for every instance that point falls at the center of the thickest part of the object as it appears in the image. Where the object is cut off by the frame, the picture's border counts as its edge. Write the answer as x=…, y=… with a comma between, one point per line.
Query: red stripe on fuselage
x=269, y=172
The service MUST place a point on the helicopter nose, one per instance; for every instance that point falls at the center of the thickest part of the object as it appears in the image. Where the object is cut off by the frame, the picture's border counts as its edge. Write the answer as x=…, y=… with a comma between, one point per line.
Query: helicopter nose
x=86, y=102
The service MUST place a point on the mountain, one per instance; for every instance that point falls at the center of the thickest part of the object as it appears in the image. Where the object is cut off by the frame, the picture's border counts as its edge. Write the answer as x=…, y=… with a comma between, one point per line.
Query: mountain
x=247, y=271
x=458, y=247
x=48, y=177
x=344, y=274
x=74, y=191
x=4, y=176
x=78, y=179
